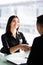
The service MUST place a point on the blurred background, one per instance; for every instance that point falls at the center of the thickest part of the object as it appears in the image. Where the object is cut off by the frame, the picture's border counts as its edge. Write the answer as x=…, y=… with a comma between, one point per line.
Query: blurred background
x=27, y=11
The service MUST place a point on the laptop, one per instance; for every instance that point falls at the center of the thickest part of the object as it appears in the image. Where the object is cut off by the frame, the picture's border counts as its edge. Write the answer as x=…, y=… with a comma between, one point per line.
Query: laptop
x=18, y=58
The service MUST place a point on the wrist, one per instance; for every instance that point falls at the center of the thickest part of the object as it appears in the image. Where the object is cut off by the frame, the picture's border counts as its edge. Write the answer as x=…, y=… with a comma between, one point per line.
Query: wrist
x=19, y=46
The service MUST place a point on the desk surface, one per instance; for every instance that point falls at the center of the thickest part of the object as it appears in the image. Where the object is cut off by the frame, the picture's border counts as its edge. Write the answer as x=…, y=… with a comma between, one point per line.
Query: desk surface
x=3, y=60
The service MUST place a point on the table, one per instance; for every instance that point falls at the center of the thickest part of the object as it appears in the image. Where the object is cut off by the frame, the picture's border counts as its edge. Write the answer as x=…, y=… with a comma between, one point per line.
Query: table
x=3, y=60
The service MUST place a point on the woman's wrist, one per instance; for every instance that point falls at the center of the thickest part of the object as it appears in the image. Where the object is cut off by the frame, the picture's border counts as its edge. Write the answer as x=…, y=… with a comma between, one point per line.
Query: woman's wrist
x=19, y=46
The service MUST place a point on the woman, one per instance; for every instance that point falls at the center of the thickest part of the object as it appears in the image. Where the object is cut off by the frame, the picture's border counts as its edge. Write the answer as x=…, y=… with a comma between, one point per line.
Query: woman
x=12, y=38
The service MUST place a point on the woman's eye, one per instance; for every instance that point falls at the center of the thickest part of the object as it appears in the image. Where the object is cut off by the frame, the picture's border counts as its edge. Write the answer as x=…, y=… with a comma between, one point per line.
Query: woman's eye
x=13, y=20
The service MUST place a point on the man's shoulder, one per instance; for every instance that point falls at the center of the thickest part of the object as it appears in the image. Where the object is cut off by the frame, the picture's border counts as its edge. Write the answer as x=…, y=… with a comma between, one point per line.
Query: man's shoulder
x=37, y=38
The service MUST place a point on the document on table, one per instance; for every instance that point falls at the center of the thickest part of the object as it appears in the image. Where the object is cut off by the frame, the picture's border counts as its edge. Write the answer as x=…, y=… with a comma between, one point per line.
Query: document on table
x=17, y=58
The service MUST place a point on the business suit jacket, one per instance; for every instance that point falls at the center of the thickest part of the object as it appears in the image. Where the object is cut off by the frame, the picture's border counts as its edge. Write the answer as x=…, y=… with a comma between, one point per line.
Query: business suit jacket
x=36, y=54
x=9, y=41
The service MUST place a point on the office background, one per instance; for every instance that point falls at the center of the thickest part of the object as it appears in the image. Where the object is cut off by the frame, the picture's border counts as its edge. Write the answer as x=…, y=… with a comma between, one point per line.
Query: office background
x=27, y=11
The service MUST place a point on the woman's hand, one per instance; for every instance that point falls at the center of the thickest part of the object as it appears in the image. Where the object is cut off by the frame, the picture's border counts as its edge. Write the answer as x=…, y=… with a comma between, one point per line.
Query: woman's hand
x=25, y=47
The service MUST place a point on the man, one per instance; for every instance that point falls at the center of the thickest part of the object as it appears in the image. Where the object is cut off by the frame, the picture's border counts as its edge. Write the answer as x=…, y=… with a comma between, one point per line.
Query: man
x=36, y=54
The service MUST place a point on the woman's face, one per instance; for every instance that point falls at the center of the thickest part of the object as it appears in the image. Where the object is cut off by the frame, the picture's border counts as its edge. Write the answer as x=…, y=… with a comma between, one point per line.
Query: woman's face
x=15, y=23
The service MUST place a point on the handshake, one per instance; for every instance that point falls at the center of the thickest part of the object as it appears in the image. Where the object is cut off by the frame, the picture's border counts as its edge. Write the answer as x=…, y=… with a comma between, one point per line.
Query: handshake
x=25, y=47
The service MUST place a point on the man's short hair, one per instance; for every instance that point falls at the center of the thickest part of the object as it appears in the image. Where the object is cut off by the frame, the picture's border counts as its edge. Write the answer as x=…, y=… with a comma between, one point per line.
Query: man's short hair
x=40, y=19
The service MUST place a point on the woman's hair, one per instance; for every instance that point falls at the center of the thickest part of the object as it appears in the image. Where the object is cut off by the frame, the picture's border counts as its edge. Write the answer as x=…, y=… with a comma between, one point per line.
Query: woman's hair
x=9, y=22
x=40, y=20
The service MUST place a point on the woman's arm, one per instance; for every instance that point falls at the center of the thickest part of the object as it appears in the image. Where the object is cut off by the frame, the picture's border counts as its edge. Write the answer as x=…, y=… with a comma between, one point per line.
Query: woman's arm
x=5, y=44
x=23, y=47
x=14, y=48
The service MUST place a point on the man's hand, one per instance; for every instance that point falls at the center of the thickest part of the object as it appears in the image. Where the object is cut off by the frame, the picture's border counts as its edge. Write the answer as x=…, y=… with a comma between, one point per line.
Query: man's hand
x=25, y=47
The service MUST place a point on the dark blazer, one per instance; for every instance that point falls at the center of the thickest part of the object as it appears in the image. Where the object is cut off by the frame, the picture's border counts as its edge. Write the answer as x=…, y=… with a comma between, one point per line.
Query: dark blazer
x=9, y=41
x=36, y=54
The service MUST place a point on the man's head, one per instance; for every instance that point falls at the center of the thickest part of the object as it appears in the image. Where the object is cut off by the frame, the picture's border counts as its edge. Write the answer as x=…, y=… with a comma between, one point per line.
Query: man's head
x=40, y=24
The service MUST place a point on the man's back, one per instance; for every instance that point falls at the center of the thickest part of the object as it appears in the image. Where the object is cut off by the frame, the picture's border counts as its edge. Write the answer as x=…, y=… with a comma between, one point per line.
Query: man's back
x=36, y=54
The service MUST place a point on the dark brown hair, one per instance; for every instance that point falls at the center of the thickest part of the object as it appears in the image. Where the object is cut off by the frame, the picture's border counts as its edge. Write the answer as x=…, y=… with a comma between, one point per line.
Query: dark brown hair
x=40, y=20
x=9, y=22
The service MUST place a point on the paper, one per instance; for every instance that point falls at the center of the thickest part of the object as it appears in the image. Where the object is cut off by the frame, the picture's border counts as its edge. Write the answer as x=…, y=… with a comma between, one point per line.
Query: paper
x=17, y=58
